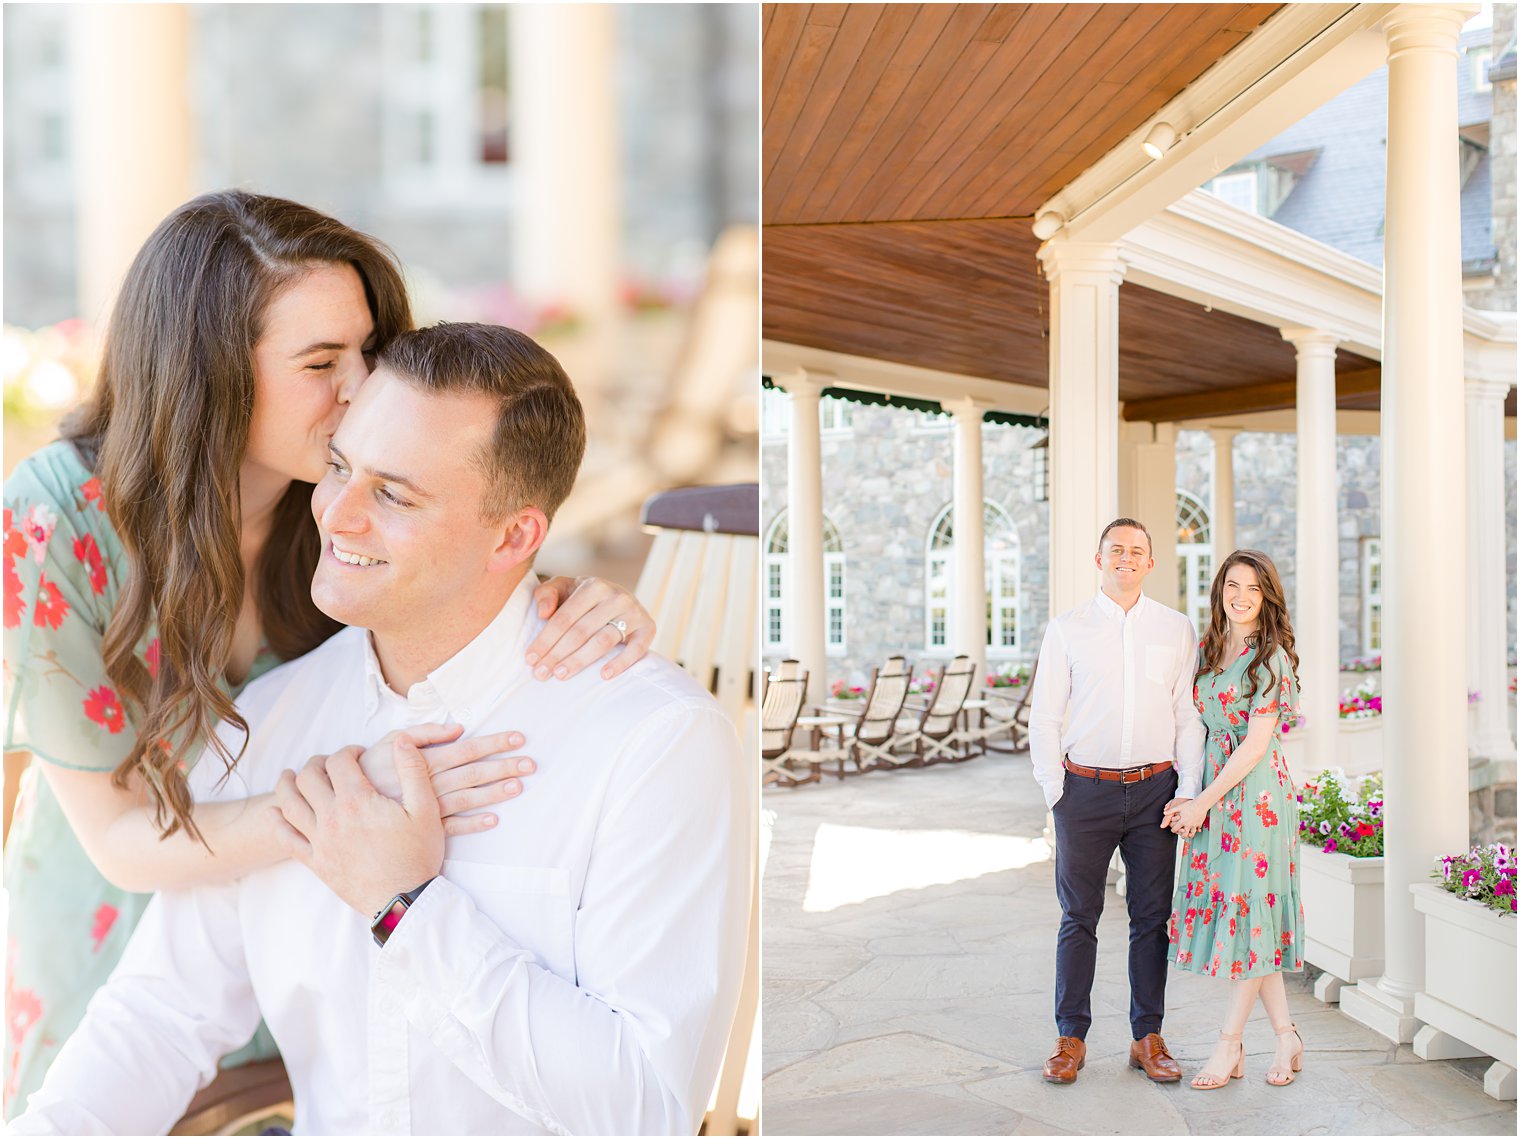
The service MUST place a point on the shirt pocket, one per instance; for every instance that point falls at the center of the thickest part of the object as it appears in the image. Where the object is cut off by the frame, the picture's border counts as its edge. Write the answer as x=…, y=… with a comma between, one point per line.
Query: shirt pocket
x=532, y=905
x=1160, y=664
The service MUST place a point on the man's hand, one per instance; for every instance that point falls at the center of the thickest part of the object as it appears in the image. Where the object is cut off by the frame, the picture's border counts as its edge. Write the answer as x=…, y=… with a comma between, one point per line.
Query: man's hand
x=1189, y=818
x=1170, y=811
x=365, y=847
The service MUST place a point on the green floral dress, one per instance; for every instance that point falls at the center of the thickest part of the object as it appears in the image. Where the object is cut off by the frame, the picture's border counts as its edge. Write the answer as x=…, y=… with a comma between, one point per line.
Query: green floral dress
x=1236, y=911
x=67, y=925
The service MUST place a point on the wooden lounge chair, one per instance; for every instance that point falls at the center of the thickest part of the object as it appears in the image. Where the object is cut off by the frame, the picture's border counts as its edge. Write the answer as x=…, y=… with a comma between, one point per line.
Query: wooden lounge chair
x=781, y=704
x=1006, y=713
x=870, y=741
x=940, y=737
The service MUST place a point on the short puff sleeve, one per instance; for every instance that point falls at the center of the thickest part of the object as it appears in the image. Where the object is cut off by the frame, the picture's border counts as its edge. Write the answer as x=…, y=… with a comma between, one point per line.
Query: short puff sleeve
x=1277, y=690
x=62, y=562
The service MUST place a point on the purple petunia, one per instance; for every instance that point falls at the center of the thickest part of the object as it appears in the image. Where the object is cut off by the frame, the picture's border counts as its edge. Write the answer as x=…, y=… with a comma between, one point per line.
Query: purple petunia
x=1324, y=827
x=1375, y=807
x=1472, y=880
x=1330, y=847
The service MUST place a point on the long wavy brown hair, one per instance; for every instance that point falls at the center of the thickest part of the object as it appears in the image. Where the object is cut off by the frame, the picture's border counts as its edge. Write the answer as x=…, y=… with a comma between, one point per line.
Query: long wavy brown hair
x=1273, y=629
x=166, y=430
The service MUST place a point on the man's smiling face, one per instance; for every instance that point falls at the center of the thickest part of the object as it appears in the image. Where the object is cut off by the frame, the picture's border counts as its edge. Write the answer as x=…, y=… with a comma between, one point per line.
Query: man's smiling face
x=1124, y=557
x=399, y=510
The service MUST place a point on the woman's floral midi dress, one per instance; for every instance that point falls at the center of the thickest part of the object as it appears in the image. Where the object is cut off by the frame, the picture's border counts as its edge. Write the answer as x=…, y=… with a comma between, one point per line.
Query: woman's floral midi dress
x=67, y=925
x=1236, y=910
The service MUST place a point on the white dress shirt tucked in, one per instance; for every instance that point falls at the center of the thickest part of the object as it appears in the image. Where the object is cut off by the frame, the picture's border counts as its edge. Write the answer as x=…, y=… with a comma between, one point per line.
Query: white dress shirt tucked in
x=573, y=971
x=1127, y=680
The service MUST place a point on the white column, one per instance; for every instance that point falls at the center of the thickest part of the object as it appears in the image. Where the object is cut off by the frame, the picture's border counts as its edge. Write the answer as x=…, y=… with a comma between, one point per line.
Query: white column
x=1147, y=470
x=1424, y=530
x=1222, y=518
x=133, y=137
x=566, y=233
x=1316, y=605
x=1084, y=410
x=969, y=632
x=1488, y=740
x=804, y=527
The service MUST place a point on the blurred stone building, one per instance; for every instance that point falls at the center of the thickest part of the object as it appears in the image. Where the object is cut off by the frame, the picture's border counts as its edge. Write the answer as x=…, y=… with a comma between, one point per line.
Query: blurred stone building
x=401, y=119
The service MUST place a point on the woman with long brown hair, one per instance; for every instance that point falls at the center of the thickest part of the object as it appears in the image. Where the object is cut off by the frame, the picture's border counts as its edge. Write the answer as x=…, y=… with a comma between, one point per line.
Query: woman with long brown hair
x=1236, y=910
x=160, y=556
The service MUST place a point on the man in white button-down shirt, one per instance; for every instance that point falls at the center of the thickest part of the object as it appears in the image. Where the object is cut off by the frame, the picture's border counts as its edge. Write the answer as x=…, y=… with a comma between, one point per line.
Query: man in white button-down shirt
x=572, y=970
x=1129, y=752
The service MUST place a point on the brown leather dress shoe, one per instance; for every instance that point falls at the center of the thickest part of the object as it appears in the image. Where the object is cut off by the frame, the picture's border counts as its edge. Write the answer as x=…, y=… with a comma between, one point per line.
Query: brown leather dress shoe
x=1066, y=1060
x=1149, y=1054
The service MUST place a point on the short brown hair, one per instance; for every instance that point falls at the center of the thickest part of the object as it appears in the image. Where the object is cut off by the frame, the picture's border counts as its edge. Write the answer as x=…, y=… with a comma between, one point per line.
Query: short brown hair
x=1130, y=522
x=539, y=439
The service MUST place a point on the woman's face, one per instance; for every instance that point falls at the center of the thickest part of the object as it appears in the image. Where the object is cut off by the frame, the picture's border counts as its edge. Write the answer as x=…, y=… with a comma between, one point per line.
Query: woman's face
x=1242, y=596
x=311, y=359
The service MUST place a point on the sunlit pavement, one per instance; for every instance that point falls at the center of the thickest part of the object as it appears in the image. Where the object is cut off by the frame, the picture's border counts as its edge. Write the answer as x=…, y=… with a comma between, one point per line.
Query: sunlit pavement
x=909, y=964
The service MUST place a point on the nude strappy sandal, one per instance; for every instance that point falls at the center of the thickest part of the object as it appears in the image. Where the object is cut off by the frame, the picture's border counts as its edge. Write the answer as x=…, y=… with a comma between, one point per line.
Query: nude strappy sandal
x=1223, y=1081
x=1280, y=1078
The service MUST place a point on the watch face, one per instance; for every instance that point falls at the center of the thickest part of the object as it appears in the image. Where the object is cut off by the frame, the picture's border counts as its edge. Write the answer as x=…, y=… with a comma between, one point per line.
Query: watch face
x=388, y=920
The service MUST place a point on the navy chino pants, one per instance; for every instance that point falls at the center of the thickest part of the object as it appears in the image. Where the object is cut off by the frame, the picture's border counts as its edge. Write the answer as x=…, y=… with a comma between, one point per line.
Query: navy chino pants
x=1092, y=818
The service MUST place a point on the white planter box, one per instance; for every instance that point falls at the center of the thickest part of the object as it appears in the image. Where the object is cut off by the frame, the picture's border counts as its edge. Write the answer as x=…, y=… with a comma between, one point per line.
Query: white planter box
x=1343, y=918
x=1469, y=992
x=1358, y=748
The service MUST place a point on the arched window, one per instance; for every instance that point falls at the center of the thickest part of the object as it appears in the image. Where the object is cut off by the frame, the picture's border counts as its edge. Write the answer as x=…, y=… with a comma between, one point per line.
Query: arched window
x=1195, y=560
x=1001, y=546
x=776, y=587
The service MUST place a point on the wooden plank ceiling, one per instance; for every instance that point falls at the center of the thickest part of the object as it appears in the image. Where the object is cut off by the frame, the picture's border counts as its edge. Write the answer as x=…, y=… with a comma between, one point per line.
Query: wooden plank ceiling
x=967, y=297
x=905, y=149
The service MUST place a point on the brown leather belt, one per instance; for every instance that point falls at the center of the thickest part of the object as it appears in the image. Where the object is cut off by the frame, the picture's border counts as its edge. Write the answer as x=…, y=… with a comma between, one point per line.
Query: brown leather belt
x=1116, y=775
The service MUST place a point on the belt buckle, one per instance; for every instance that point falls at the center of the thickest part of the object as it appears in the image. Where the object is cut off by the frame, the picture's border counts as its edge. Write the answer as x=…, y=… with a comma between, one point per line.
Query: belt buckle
x=1124, y=778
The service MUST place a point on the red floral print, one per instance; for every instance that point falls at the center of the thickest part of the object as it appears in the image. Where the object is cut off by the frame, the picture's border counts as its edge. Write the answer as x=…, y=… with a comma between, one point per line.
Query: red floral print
x=1236, y=969
x=14, y=606
x=91, y=492
x=103, y=706
x=1261, y=866
x=50, y=608
x=88, y=552
x=105, y=918
x=1228, y=842
x=15, y=546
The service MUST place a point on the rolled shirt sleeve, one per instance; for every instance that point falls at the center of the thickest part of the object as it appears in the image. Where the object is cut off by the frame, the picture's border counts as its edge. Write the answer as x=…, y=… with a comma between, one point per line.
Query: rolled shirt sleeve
x=1047, y=713
x=1190, y=730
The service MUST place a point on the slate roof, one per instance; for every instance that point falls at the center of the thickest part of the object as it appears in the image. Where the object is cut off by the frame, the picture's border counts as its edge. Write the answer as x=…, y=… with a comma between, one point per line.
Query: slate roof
x=1340, y=199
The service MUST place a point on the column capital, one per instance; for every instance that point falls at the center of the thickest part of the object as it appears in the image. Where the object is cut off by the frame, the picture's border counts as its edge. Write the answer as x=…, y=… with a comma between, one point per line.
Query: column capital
x=1311, y=341
x=801, y=382
x=963, y=406
x=1224, y=434
x=1426, y=27
x=1479, y=390
x=1082, y=259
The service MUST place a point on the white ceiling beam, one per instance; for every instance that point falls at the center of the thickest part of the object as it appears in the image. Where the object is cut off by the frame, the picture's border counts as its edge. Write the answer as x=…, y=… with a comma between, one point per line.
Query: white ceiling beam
x=1297, y=61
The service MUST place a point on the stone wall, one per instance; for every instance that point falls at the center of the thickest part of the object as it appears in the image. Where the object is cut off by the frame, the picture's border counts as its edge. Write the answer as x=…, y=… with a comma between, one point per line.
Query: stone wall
x=886, y=480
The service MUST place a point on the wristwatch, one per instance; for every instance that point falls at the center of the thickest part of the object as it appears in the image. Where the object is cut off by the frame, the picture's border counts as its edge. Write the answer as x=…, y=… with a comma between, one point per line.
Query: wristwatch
x=390, y=914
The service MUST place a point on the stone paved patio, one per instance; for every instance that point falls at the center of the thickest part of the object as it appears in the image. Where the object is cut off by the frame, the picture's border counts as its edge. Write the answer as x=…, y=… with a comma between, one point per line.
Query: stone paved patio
x=909, y=940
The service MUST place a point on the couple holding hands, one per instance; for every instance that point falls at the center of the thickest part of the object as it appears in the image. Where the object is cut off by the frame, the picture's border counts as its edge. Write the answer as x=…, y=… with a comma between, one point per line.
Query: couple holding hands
x=1168, y=739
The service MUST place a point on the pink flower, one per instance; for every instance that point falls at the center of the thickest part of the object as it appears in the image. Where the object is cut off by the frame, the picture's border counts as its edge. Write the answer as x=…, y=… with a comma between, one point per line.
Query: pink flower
x=37, y=527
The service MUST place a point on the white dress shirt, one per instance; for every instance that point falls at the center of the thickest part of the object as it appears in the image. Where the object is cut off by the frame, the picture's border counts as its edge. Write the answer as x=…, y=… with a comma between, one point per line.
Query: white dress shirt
x=1127, y=681
x=574, y=970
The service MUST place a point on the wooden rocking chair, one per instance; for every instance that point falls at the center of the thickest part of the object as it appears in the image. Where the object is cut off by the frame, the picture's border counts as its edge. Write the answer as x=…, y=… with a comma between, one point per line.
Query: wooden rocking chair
x=785, y=692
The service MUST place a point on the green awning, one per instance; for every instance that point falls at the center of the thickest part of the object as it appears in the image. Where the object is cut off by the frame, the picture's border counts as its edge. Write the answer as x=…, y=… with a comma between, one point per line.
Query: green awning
x=928, y=406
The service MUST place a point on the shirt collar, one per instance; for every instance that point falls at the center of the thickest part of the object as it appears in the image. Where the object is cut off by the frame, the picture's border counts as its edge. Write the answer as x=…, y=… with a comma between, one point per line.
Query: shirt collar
x=474, y=678
x=1111, y=608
